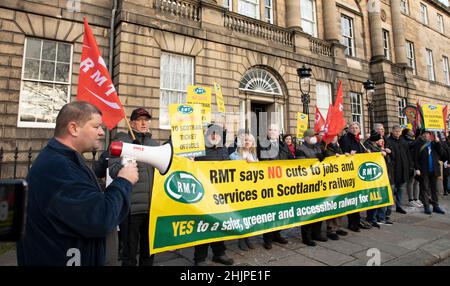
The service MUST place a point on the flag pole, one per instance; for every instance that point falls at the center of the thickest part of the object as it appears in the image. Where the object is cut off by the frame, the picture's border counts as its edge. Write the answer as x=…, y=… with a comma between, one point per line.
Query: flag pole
x=129, y=128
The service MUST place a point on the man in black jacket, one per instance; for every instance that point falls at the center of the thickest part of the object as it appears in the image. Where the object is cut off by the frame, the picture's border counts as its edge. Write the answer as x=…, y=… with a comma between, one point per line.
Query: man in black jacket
x=134, y=228
x=401, y=165
x=351, y=144
x=270, y=147
x=215, y=151
x=426, y=165
x=69, y=215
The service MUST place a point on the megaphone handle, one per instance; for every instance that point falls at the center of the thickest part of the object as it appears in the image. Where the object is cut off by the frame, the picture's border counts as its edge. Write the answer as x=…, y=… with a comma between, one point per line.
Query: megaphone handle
x=127, y=160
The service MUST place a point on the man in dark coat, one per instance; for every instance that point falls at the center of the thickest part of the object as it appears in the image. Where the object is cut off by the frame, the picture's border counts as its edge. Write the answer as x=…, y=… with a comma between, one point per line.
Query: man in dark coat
x=214, y=151
x=134, y=228
x=426, y=165
x=272, y=148
x=401, y=165
x=350, y=143
x=69, y=216
x=311, y=149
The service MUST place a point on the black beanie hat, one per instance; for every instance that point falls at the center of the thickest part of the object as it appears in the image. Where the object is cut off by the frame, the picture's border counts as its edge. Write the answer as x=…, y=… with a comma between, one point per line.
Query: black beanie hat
x=374, y=136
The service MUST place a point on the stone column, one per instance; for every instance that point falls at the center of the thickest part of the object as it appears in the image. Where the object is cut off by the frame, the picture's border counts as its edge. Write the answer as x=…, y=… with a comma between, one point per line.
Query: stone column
x=330, y=20
x=376, y=32
x=398, y=32
x=293, y=15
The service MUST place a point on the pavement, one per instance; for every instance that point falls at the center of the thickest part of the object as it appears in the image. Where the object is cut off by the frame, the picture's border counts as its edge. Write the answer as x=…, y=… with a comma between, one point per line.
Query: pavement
x=415, y=239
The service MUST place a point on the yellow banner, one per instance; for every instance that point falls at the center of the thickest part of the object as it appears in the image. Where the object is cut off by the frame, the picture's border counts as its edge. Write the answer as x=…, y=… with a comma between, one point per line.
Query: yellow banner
x=219, y=98
x=302, y=124
x=199, y=202
x=200, y=95
x=433, y=117
x=187, y=130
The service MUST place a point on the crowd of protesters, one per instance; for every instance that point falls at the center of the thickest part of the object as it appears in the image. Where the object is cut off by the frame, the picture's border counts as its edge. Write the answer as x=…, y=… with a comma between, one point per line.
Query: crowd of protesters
x=412, y=160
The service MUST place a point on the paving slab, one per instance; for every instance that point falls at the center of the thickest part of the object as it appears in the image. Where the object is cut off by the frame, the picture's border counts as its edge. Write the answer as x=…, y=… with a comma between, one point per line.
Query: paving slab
x=439, y=248
x=343, y=246
x=325, y=255
x=178, y=262
x=295, y=260
x=392, y=248
x=362, y=258
x=414, y=258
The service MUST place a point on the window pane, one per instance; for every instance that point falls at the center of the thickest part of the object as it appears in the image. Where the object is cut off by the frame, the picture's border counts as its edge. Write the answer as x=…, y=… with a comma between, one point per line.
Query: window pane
x=27, y=101
x=62, y=72
x=49, y=50
x=64, y=53
x=31, y=69
x=33, y=49
x=47, y=70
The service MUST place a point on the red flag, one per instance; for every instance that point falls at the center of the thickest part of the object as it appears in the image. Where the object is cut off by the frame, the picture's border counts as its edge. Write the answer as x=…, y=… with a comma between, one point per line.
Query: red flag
x=94, y=83
x=319, y=121
x=335, y=118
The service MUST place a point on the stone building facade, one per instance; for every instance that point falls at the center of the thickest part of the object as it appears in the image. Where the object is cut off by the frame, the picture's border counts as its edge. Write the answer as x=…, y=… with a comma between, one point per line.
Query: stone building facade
x=253, y=48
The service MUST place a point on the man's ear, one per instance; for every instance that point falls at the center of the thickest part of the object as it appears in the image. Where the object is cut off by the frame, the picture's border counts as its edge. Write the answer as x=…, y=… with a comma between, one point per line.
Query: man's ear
x=73, y=128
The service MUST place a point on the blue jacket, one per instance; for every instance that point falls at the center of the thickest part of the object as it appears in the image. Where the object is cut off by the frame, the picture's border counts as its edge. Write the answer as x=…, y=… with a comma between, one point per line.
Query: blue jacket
x=68, y=216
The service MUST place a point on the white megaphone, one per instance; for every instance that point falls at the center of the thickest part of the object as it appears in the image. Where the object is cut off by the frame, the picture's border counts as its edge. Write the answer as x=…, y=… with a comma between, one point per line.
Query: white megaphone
x=159, y=157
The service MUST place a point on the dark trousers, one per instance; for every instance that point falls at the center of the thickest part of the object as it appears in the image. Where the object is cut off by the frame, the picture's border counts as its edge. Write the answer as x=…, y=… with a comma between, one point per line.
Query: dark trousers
x=269, y=236
x=445, y=174
x=354, y=219
x=428, y=190
x=134, y=235
x=201, y=251
x=311, y=231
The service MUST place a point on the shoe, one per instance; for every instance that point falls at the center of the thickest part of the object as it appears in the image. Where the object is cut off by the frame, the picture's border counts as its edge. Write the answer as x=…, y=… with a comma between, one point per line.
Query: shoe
x=223, y=259
x=281, y=240
x=374, y=224
x=268, y=245
x=438, y=210
x=200, y=263
x=445, y=193
x=418, y=203
x=412, y=204
x=400, y=210
x=388, y=221
x=309, y=242
x=341, y=232
x=354, y=228
x=427, y=210
x=365, y=225
x=242, y=245
x=249, y=243
x=333, y=236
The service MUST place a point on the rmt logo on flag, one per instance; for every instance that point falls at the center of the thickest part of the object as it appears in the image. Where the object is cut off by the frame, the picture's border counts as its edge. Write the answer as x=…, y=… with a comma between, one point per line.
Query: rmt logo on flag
x=95, y=85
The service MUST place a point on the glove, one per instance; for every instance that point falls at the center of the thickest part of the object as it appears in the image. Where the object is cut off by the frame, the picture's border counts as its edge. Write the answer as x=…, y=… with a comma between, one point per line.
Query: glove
x=417, y=172
x=445, y=164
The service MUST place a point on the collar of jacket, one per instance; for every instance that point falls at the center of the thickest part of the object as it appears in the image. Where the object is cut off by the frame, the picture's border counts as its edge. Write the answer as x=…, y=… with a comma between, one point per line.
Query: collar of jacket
x=64, y=150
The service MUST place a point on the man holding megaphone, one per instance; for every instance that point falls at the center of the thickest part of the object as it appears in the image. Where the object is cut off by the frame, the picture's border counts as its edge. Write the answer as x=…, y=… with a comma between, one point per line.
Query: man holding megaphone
x=134, y=228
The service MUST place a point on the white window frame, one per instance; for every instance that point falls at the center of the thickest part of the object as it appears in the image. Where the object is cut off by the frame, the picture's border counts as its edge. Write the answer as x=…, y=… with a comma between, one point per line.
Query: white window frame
x=29, y=124
x=402, y=119
x=357, y=109
x=228, y=4
x=424, y=14
x=323, y=97
x=241, y=11
x=350, y=50
x=430, y=65
x=386, y=44
x=305, y=21
x=404, y=7
x=270, y=9
x=440, y=22
x=410, y=56
x=446, y=70
x=182, y=92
